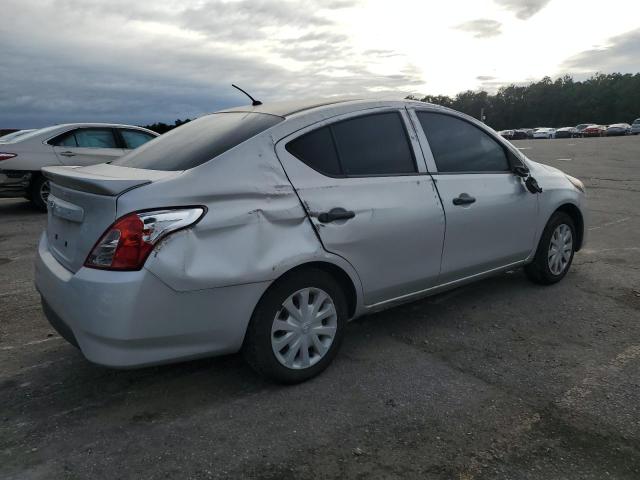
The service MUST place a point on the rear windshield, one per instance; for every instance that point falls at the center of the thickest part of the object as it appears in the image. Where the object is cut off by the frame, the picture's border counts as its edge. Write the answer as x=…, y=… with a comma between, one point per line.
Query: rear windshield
x=198, y=141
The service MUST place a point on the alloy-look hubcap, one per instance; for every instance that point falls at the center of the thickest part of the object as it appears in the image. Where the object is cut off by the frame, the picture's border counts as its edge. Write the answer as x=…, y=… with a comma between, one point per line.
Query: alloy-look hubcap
x=304, y=328
x=560, y=249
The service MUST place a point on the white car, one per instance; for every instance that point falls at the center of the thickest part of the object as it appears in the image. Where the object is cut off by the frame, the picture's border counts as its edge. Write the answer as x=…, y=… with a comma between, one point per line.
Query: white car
x=74, y=144
x=544, y=133
x=14, y=135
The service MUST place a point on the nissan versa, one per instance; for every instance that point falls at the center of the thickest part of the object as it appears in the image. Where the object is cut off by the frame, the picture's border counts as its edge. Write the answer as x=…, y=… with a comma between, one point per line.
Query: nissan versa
x=266, y=228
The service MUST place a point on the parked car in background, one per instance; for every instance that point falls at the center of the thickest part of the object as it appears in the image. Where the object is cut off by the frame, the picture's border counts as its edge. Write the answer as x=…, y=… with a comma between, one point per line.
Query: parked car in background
x=16, y=134
x=618, y=129
x=520, y=135
x=594, y=131
x=264, y=229
x=635, y=127
x=565, y=132
x=580, y=128
x=528, y=131
x=77, y=144
x=508, y=134
x=544, y=132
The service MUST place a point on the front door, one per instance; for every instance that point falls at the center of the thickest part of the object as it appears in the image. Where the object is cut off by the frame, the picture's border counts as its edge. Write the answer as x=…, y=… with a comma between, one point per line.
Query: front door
x=490, y=215
x=363, y=181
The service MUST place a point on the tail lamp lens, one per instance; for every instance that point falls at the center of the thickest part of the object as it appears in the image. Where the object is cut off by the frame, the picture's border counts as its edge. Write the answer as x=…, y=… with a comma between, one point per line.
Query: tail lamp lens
x=129, y=241
x=6, y=156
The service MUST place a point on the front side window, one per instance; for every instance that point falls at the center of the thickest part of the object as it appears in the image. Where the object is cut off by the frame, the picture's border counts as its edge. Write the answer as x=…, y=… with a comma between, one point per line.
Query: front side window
x=459, y=146
x=134, y=138
x=375, y=144
x=87, y=138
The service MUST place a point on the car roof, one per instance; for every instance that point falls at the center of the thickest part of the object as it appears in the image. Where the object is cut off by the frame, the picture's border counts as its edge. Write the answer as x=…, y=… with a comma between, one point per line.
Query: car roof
x=292, y=107
x=97, y=124
x=288, y=108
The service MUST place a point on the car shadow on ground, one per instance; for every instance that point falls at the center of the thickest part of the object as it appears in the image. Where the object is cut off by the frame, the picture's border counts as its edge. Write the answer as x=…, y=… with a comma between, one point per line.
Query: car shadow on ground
x=60, y=382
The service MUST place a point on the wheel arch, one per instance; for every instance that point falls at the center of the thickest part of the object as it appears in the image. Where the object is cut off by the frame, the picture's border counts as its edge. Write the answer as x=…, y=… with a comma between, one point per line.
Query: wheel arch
x=578, y=219
x=346, y=282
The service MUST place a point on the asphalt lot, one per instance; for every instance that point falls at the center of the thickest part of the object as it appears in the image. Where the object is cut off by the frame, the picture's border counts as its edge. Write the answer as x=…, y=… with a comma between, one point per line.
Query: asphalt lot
x=499, y=379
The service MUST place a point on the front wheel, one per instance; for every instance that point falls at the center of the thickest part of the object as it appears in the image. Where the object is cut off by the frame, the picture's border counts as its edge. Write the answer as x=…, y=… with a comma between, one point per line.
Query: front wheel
x=555, y=251
x=297, y=327
x=39, y=192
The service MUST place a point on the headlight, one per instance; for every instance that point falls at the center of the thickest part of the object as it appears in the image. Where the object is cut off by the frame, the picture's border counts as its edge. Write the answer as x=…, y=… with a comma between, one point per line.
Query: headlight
x=576, y=183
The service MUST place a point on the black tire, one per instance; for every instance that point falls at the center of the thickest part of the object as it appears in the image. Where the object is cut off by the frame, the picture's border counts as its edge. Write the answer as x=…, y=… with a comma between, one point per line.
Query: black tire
x=257, y=349
x=35, y=196
x=539, y=271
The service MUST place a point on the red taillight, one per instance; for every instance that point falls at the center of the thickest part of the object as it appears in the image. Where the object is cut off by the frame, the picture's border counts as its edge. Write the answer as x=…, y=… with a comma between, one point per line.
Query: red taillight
x=129, y=241
x=7, y=156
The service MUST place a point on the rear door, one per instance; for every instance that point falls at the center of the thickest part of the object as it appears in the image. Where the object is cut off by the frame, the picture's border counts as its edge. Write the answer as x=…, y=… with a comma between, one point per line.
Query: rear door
x=363, y=181
x=87, y=146
x=490, y=215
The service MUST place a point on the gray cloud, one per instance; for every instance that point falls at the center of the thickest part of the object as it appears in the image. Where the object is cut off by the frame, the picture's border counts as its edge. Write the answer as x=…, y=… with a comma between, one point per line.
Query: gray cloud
x=481, y=28
x=115, y=61
x=485, y=78
x=621, y=54
x=523, y=9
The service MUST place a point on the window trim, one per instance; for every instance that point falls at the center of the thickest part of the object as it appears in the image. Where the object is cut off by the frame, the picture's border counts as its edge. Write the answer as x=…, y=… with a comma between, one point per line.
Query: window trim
x=512, y=159
x=355, y=115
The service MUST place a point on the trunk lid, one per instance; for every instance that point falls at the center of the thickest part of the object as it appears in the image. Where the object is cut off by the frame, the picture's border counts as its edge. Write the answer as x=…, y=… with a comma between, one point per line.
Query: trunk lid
x=83, y=204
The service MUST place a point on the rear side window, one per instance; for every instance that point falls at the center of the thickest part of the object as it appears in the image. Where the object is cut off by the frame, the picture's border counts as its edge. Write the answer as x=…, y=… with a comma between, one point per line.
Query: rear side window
x=134, y=138
x=198, y=141
x=87, y=138
x=375, y=144
x=317, y=150
x=459, y=146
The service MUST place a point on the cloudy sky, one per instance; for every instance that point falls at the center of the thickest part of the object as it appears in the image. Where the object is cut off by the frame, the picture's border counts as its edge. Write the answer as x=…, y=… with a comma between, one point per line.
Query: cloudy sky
x=136, y=61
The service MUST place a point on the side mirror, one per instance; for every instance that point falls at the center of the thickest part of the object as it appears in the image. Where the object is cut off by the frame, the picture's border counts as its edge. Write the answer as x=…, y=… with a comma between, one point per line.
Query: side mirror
x=529, y=181
x=521, y=171
x=532, y=185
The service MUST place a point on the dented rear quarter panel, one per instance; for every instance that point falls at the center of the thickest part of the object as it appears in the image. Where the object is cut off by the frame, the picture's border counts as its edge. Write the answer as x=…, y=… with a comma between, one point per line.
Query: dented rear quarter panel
x=254, y=221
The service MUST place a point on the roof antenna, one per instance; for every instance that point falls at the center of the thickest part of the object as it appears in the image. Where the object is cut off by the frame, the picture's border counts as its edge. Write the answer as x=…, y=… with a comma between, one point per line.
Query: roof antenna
x=254, y=102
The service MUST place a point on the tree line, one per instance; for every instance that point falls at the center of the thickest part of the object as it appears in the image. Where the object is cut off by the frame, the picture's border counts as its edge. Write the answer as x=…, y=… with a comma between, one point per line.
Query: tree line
x=161, y=127
x=602, y=98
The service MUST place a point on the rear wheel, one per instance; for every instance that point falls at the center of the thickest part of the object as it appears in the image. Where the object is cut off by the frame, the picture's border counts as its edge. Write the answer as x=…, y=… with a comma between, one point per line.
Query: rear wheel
x=297, y=327
x=555, y=251
x=39, y=192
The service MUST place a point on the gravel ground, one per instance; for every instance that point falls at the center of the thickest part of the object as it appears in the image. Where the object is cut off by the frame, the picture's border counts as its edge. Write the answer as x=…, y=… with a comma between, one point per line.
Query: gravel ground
x=499, y=379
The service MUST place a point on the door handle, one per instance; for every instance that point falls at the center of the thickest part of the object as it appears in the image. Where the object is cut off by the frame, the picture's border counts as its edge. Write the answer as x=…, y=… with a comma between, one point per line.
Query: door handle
x=67, y=154
x=463, y=199
x=334, y=214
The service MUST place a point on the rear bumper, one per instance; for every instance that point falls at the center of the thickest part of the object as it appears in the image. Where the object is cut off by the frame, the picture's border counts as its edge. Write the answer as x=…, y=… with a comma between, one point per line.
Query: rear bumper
x=14, y=183
x=133, y=319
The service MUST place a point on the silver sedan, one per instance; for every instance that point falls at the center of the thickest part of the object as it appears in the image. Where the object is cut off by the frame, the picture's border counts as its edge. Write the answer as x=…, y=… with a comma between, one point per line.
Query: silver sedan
x=264, y=229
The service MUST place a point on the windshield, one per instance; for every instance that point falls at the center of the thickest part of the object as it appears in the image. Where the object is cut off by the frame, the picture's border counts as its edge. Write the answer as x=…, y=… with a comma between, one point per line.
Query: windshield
x=196, y=142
